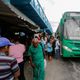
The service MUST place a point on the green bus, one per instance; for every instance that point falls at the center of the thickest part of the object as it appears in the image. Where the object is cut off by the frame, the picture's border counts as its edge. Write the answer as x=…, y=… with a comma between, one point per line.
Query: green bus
x=69, y=32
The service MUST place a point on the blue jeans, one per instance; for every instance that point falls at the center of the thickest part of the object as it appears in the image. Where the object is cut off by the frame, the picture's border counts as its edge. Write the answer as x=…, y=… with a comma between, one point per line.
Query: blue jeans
x=57, y=53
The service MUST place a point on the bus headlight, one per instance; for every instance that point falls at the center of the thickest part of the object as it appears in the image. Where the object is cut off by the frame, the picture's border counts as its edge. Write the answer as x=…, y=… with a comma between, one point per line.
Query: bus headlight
x=66, y=48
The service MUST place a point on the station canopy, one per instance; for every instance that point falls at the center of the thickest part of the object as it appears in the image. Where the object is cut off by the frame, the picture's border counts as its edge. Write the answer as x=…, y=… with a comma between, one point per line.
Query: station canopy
x=33, y=10
x=8, y=15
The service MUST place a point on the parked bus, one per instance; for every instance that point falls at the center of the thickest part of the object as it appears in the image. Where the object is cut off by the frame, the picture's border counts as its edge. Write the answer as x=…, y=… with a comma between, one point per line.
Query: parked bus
x=69, y=32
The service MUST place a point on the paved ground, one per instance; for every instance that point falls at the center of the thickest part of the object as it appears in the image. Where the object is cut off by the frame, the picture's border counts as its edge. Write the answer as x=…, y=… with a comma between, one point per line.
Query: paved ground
x=58, y=70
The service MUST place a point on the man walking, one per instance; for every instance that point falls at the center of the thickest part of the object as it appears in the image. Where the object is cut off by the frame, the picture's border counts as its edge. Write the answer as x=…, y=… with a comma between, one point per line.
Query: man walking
x=37, y=60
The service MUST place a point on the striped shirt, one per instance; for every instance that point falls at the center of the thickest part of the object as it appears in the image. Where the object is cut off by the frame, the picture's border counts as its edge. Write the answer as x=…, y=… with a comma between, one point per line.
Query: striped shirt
x=8, y=66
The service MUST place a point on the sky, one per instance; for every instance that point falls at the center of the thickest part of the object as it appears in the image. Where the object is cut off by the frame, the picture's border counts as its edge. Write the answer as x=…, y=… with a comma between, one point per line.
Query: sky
x=55, y=8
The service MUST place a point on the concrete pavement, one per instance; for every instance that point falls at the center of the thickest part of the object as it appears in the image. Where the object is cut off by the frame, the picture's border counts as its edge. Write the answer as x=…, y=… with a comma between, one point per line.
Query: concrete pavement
x=58, y=70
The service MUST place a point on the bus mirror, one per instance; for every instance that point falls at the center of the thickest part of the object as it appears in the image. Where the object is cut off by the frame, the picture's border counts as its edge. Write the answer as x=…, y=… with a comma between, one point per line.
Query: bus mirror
x=64, y=20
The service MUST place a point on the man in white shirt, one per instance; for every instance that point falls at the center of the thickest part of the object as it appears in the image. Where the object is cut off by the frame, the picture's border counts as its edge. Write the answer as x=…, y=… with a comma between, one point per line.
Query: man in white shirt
x=57, y=48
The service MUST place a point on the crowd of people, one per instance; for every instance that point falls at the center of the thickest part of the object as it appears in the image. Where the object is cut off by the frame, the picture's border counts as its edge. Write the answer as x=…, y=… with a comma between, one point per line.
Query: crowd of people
x=12, y=61
x=51, y=47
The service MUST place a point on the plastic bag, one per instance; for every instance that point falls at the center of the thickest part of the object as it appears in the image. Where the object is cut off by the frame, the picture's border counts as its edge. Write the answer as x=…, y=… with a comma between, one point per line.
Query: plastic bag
x=45, y=63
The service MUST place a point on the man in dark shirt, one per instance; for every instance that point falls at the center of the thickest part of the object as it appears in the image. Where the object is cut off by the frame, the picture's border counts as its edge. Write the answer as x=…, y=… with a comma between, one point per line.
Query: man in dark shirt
x=53, y=45
x=9, y=69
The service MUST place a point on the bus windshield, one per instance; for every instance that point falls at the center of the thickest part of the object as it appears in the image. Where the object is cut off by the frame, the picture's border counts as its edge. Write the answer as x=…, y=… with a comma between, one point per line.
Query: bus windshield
x=72, y=29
